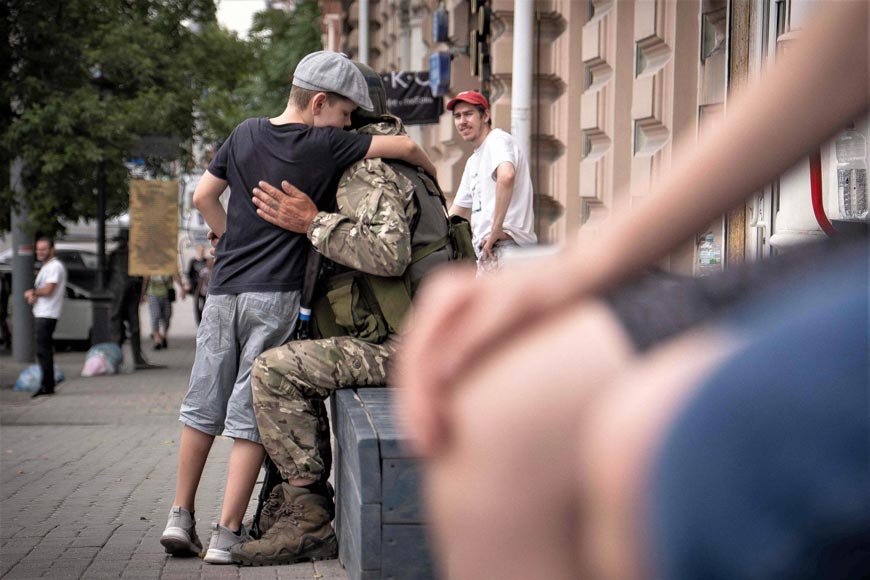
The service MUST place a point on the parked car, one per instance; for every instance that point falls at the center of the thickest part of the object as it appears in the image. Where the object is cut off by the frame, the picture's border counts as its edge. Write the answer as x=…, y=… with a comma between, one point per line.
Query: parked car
x=75, y=325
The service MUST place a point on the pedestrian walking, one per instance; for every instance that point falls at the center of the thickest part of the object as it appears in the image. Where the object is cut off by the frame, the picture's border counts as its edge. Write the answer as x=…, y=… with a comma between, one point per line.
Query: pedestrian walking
x=160, y=292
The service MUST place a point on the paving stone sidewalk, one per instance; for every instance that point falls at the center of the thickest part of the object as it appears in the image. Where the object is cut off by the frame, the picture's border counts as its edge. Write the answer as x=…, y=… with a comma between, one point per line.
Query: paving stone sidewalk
x=87, y=476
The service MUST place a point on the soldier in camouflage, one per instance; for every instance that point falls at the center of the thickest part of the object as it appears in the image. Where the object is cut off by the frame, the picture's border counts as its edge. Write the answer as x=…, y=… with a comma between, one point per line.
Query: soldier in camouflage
x=371, y=232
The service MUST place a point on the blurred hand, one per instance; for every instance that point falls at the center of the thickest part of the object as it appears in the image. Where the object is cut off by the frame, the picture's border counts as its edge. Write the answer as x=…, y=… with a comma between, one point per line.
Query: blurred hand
x=290, y=209
x=458, y=320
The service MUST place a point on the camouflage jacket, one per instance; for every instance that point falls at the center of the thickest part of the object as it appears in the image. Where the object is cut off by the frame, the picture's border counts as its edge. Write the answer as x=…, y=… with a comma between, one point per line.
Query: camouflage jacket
x=372, y=230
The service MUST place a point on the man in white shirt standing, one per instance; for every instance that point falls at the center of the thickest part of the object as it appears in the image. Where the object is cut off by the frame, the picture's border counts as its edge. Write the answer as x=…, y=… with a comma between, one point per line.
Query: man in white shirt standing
x=47, y=301
x=495, y=193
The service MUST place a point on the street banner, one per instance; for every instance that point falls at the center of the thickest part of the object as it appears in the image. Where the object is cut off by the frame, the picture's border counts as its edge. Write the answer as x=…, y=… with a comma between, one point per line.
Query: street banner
x=153, y=228
x=410, y=98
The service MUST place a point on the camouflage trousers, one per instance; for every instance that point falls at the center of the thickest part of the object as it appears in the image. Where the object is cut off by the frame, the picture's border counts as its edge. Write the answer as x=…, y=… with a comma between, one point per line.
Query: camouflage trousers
x=290, y=383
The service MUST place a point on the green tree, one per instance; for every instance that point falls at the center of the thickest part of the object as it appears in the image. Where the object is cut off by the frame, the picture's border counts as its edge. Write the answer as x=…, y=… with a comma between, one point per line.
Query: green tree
x=279, y=40
x=86, y=80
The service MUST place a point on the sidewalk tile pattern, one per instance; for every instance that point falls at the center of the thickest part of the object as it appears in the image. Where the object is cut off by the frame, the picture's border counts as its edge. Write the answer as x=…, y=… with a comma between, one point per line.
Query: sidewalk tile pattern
x=86, y=477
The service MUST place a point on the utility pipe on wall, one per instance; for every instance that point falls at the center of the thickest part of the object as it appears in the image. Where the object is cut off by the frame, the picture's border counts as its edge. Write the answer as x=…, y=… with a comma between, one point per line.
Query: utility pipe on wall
x=816, y=193
x=333, y=29
x=405, y=36
x=521, y=96
x=410, y=45
x=363, y=36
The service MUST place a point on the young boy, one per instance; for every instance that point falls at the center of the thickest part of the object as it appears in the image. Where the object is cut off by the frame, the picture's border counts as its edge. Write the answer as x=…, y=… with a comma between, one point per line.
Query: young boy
x=254, y=288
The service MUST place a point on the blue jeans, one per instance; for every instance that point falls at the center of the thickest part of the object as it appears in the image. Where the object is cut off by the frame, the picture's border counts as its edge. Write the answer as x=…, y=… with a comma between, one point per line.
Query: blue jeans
x=45, y=350
x=766, y=472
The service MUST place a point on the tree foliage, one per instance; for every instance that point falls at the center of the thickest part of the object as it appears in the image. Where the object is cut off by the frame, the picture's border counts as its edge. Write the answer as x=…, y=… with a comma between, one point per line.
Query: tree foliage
x=85, y=81
x=278, y=41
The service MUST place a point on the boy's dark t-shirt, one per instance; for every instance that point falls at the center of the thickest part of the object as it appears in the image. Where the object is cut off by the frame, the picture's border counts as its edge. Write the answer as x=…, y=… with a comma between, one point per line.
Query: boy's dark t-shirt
x=253, y=255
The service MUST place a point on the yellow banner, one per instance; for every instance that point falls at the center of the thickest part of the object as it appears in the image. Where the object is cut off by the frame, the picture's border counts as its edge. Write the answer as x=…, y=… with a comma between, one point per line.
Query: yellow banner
x=153, y=227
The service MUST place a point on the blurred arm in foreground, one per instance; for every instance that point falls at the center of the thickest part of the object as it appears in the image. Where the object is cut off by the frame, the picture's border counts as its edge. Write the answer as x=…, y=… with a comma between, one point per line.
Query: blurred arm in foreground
x=476, y=316
x=532, y=357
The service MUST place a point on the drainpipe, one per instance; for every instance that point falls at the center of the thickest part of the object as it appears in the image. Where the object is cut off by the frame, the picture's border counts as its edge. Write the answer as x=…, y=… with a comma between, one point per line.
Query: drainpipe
x=816, y=193
x=333, y=24
x=405, y=36
x=410, y=51
x=363, y=36
x=521, y=97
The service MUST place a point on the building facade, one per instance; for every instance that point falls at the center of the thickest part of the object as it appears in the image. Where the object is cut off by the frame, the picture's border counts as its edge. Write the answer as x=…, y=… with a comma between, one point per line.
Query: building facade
x=617, y=87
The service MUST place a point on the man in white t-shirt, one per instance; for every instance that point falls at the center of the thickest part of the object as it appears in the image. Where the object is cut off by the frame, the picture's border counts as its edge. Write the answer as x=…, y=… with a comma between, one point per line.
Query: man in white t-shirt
x=495, y=193
x=46, y=297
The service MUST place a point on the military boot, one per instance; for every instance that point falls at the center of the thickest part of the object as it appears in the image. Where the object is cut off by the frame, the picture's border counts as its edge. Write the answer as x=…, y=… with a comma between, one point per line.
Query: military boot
x=271, y=509
x=301, y=532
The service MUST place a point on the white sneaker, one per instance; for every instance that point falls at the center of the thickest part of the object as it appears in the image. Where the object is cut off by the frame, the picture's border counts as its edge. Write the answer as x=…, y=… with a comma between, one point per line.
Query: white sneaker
x=222, y=539
x=179, y=537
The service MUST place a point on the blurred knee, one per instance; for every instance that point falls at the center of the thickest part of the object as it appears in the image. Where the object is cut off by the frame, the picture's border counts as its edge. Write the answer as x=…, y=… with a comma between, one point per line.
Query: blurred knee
x=538, y=386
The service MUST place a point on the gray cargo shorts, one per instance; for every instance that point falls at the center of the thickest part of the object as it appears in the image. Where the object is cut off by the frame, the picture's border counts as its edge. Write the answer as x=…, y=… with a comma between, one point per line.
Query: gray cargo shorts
x=235, y=330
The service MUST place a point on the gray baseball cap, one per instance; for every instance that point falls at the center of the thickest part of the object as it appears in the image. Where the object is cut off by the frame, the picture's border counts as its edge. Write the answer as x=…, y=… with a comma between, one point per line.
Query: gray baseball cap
x=333, y=72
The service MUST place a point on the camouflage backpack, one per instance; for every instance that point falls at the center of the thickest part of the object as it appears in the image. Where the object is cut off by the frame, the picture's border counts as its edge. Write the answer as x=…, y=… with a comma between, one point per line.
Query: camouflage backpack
x=369, y=307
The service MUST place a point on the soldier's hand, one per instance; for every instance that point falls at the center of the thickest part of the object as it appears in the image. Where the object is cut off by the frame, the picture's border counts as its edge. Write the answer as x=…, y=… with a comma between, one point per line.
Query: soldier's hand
x=290, y=209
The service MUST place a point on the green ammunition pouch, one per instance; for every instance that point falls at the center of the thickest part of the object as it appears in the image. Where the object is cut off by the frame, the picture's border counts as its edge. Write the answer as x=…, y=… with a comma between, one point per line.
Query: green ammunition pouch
x=460, y=236
x=370, y=307
x=366, y=307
